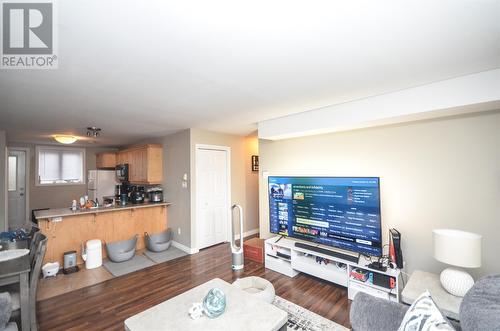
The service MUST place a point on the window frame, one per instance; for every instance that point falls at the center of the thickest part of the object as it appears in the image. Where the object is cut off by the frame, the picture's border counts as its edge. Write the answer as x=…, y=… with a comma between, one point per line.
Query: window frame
x=57, y=148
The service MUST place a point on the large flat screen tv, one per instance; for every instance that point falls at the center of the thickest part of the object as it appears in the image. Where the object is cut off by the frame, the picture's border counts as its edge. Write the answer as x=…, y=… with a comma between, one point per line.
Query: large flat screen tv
x=342, y=212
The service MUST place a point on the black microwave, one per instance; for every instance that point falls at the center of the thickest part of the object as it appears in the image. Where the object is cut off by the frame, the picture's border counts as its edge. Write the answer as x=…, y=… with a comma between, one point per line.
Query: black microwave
x=122, y=172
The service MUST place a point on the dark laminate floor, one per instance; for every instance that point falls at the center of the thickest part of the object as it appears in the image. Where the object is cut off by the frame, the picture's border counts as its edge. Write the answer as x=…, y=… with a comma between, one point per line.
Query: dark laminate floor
x=107, y=305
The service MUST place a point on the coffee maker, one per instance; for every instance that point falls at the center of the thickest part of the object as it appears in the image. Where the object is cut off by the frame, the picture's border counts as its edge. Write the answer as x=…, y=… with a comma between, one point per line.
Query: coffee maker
x=118, y=191
x=122, y=192
x=137, y=195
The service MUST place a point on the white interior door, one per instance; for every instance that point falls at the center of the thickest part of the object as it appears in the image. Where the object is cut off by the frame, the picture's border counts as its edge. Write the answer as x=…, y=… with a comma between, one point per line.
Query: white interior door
x=16, y=187
x=212, y=192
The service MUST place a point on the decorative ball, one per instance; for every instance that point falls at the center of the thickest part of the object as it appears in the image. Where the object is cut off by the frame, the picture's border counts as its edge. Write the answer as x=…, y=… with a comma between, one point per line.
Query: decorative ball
x=456, y=282
x=214, y=303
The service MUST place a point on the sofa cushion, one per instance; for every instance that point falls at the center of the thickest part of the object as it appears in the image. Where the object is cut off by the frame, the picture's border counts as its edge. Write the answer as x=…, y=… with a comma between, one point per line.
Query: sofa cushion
x=369, y=313
x=480, y=308
x=424, y=315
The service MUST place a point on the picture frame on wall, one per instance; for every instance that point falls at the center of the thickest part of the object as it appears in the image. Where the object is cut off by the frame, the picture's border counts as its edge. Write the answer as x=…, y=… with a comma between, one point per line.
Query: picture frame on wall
x=255, y=163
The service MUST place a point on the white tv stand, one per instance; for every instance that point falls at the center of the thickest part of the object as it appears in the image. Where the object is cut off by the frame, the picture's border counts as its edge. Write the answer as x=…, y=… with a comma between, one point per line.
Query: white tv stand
x=283, y=257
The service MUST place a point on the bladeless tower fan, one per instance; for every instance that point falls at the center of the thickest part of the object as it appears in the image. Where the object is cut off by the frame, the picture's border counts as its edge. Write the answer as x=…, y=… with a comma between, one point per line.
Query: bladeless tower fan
x=237, y=252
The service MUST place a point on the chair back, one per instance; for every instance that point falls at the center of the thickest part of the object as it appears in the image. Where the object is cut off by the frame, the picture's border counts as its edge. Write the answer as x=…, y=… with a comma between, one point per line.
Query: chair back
x=35, y=240
x=36, y=266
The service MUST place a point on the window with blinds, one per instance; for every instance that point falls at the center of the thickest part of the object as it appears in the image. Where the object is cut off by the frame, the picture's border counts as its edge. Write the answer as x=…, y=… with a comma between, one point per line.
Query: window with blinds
x=60, y=165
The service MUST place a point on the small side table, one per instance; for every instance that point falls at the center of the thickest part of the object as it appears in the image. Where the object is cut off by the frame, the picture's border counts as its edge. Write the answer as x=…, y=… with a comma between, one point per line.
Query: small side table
x=421, y=281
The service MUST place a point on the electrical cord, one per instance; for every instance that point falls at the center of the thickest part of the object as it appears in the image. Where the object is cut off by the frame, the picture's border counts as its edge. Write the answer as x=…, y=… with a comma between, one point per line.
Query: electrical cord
x=367, y=257
x=403, y=273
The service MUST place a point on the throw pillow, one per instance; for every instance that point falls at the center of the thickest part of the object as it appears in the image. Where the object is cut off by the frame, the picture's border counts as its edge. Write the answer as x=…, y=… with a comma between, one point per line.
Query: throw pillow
x=424, y=315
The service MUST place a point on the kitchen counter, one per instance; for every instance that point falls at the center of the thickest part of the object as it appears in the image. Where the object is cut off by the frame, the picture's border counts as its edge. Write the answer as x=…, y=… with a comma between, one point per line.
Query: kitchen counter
x=68, y=230
x=64, y=212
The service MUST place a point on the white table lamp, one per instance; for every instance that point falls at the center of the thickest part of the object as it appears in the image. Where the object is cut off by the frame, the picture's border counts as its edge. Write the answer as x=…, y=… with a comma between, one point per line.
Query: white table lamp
x=460, y=249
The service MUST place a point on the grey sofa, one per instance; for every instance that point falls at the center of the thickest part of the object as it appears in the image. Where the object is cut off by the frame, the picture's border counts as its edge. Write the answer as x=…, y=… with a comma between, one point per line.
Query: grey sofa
x=480, y=310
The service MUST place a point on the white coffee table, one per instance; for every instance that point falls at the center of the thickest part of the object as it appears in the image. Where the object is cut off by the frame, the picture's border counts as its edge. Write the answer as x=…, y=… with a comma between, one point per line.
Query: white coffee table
x=243, y=312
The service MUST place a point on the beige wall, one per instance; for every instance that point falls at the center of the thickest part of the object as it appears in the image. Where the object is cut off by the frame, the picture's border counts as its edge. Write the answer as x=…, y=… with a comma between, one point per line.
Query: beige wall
x=244, y=184
x=433, y=174
x=251, y=146
x=3, y=182
x=55, y=196
x=179, y=159
x=176, y=163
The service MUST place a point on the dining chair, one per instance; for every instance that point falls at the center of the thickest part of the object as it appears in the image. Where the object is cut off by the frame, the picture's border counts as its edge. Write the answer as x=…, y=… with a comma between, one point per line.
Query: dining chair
x=36, y=267
x=35, y=240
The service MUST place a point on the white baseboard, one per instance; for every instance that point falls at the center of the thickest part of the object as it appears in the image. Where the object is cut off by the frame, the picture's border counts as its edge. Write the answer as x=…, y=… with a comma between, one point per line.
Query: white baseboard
x=184, y=248
x=190, y=250
x=247, y=233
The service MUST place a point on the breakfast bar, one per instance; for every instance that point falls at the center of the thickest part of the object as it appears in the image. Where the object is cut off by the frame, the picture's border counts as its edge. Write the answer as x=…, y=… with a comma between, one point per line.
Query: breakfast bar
x=67, y=230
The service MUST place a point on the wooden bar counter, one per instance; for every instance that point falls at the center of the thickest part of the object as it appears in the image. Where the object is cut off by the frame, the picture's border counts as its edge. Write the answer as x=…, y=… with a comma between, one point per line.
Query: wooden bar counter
x=67, y=230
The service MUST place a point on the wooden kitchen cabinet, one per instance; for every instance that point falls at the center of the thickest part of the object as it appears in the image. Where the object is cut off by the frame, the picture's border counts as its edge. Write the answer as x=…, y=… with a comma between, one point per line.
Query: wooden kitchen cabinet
x=110, y=226
x=106, y=160
x=138, y=167
x=145, y=163
x=121, y=158
x=67, y=235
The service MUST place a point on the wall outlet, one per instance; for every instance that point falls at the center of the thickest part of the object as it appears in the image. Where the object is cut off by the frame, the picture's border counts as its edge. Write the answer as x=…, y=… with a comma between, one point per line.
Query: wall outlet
x=179, y=231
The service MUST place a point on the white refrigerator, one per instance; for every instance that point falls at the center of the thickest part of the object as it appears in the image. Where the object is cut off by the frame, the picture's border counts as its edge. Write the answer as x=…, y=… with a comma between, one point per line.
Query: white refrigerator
x=101, y=183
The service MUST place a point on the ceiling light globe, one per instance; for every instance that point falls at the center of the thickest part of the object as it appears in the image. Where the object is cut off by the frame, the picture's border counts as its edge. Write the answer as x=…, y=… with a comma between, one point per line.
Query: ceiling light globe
x=63, y=139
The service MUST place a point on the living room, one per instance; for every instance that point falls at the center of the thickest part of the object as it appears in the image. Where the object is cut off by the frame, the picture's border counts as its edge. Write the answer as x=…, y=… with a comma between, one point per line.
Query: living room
x=257, y=166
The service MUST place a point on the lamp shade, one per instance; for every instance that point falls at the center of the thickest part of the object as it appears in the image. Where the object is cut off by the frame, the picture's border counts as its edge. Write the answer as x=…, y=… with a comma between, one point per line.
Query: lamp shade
x=457, y=248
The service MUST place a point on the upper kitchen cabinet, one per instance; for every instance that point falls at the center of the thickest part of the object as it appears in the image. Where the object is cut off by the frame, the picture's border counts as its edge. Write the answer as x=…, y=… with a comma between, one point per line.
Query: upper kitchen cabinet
x=106, y=160
x=145, y=163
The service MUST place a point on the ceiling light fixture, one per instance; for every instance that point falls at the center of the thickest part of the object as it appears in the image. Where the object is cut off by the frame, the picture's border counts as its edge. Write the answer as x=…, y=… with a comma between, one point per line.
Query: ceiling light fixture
x=93, y=131
x=65, y=139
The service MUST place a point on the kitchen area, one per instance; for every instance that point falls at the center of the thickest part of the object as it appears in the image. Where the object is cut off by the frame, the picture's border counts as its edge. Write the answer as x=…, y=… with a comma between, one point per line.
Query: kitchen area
x=96, y=214
x=133, y=175
x=123, y=205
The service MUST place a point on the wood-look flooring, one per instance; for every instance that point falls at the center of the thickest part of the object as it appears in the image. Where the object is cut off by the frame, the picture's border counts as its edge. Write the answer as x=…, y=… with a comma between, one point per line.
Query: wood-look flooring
x=54, y=286
x=106, y=305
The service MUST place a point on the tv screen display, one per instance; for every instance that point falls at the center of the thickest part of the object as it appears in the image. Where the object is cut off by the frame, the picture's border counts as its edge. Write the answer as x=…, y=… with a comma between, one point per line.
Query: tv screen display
x=342, y=212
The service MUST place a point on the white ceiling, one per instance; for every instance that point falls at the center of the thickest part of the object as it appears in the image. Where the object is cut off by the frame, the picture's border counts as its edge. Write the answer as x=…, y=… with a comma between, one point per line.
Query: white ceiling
x=139, y=69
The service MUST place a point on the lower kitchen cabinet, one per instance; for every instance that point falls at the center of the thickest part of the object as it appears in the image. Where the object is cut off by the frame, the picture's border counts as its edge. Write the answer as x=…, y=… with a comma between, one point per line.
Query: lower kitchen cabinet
x=110, y=226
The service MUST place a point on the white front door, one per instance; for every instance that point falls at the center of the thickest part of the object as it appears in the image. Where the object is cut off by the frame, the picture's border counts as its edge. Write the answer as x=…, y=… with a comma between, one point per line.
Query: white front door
x=212, y=196
x=16, y=188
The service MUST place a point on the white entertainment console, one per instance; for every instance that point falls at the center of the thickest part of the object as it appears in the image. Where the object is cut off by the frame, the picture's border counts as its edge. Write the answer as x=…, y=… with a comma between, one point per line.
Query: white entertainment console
x=282, y=256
